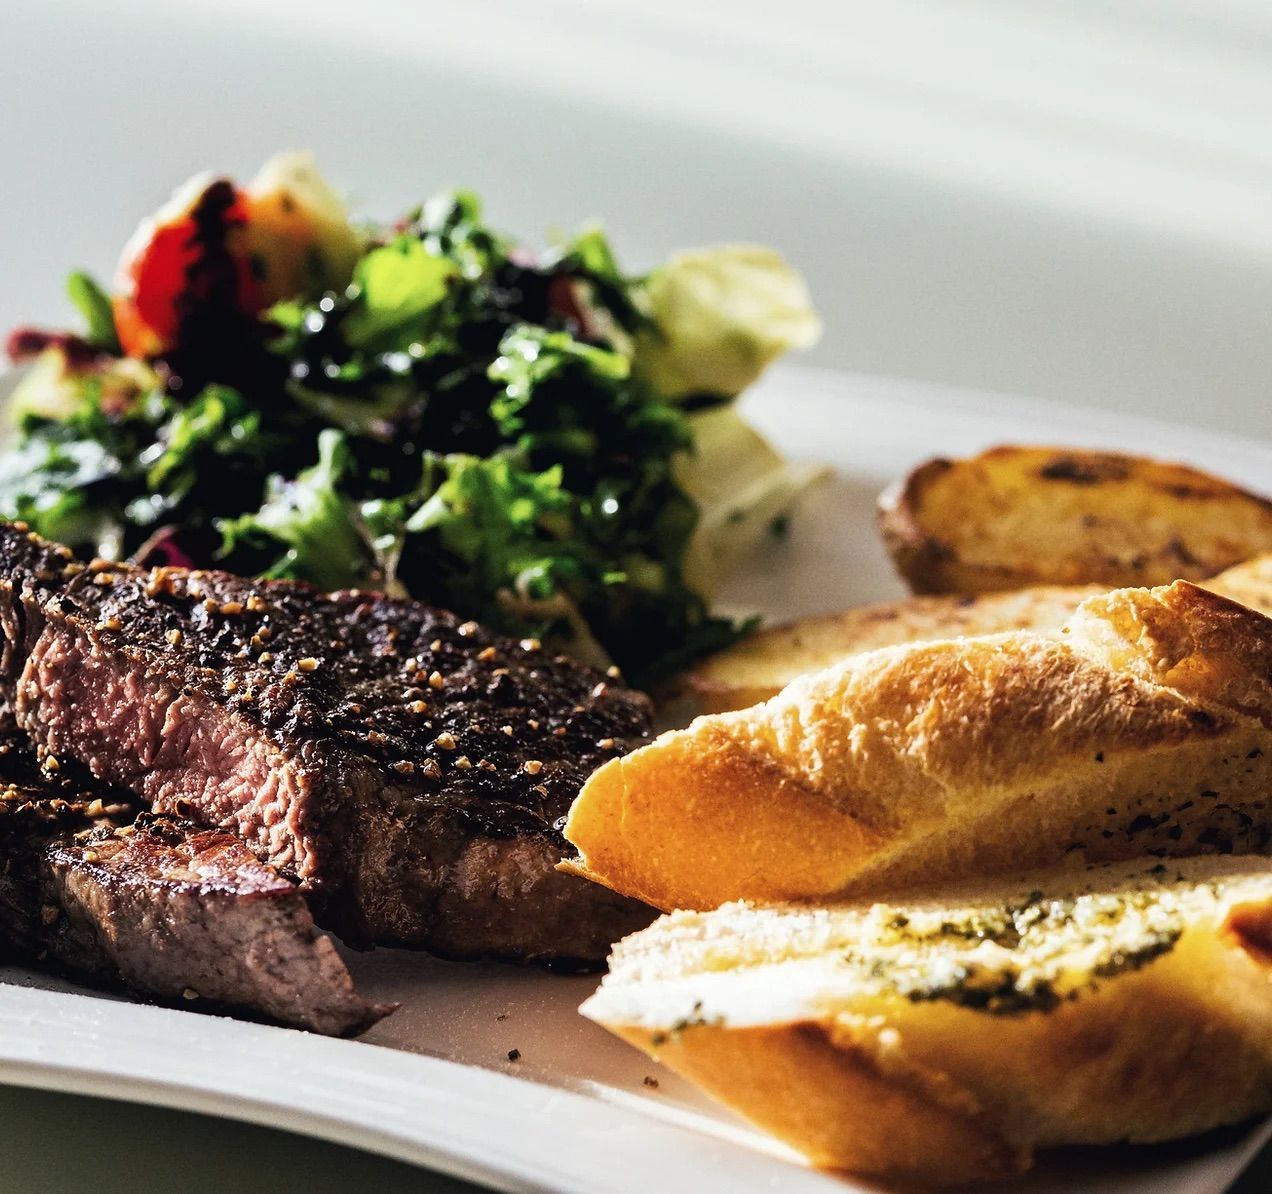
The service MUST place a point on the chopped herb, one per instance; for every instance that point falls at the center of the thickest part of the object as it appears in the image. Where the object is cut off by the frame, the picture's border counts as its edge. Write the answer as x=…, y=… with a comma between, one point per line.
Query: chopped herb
x=1012, y=959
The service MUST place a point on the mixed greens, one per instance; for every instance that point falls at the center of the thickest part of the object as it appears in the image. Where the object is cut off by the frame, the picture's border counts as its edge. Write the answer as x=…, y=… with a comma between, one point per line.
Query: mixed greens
x=539, y=441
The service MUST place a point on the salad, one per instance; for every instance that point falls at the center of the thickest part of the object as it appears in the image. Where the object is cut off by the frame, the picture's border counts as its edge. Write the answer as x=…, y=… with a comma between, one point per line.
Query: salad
x=534, y=439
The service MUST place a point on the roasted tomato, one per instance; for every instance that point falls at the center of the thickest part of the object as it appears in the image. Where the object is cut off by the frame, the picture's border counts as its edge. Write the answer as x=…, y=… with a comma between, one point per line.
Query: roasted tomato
x=217, y=253
x=187, y=260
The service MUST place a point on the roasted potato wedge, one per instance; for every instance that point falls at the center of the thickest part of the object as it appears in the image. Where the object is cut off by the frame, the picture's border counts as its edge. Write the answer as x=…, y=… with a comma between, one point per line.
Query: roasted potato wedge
x=1019, y=516
x=759, y=667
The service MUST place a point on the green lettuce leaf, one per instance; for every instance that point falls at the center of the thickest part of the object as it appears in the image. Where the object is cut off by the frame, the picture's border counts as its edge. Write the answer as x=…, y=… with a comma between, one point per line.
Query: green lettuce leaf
x=310, y=518
x=396, y=287
x=219, y=422
x=719, y=317
x=50, y=480
x=505, y=528
x=93, y=303
x=531, y=356
x=451, y=225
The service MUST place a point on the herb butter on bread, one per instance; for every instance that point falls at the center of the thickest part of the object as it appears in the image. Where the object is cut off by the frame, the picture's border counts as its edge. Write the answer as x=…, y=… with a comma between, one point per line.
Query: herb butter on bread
x=944, y=1038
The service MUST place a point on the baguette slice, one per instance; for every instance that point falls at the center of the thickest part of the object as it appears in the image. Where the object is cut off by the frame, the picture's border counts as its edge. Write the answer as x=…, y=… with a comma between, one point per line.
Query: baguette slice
x=1249, y=583
x=1143, y=725
x=1016, y=516
x=764, y=663
x=760, y=666
x=944, y=1040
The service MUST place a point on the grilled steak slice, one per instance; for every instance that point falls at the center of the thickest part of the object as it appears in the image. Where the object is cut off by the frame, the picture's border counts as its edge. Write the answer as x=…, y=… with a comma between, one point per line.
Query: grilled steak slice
x=31, y=571
x=407, y=769
x=160, y=907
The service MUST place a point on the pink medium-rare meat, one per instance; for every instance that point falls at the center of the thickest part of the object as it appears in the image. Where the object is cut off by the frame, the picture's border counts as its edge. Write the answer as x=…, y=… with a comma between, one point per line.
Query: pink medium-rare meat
x=159, y=906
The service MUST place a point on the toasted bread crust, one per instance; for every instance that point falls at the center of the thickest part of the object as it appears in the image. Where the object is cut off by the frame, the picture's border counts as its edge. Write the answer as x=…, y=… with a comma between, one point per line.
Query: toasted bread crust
x=760, y=666
x=911, y=764
x=932, y=1092
x=1016, y=516
x=835, y=1104
x=1249, y=583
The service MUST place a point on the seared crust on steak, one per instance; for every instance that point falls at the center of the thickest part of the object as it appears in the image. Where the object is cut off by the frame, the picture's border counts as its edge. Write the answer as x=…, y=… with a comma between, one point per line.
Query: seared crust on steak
x=406, y=768
x=160, y=907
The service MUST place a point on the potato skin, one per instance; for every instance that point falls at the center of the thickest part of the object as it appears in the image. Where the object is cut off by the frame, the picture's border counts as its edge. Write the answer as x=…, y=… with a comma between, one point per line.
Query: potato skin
x=1017, y=515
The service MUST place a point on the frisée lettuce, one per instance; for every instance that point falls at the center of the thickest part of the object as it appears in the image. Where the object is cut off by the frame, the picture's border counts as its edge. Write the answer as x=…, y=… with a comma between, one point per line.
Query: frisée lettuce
x=536, y=440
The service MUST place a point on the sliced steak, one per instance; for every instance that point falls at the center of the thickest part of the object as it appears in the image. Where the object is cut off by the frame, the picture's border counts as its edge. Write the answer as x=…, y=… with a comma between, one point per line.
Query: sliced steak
x=31, y=571
x=406, y=768
x=160, y=907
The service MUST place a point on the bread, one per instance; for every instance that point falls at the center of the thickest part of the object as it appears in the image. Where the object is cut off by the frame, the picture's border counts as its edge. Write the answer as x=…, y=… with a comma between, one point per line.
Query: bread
x=1019, y=516
x=1144, y=724
x=1249, y=583
x=764, y=663
x=945, y=1040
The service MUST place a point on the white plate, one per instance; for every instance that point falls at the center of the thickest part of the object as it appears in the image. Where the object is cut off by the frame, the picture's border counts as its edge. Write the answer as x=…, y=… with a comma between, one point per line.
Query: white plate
x=433, y=1083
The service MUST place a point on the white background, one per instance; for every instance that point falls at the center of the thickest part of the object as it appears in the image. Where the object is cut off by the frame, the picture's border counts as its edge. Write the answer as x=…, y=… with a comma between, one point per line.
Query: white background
x=1062, y=198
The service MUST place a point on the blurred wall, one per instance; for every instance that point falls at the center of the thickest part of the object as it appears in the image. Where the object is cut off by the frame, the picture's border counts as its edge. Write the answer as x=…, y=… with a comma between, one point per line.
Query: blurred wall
x=1071, y=200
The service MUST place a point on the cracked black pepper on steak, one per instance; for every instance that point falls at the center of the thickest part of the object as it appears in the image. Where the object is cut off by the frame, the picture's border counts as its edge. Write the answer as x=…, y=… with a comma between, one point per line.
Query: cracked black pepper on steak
x=405, y=767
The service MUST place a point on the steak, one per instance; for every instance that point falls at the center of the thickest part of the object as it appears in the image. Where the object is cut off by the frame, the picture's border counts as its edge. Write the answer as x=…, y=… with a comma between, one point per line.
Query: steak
x=406, y=768
x=159, y=907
